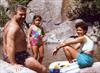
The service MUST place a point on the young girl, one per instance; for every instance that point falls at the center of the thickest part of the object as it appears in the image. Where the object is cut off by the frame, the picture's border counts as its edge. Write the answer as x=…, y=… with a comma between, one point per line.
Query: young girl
x=35, y=35
x=85, y=57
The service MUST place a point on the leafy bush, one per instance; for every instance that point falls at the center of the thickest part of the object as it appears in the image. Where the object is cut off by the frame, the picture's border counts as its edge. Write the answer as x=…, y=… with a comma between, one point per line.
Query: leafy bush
x=88, y=10
x=3, y=15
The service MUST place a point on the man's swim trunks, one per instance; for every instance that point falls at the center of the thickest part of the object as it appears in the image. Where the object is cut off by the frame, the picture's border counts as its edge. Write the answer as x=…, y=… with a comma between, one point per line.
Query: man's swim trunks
x=19, y=56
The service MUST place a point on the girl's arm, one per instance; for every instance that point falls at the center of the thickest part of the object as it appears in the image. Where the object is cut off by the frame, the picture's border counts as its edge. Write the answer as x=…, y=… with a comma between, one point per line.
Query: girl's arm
x=43, y=33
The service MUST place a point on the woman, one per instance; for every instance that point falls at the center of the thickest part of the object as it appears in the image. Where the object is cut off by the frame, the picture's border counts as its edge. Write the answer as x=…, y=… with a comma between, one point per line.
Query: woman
x=85, y=57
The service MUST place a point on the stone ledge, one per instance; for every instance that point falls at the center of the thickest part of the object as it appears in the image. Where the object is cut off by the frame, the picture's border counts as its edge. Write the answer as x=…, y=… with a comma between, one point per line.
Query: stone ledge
x=8, y=68
x=94, y=69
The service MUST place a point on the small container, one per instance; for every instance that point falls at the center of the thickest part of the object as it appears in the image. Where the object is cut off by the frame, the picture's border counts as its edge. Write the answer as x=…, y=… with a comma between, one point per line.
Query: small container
x=55, y=70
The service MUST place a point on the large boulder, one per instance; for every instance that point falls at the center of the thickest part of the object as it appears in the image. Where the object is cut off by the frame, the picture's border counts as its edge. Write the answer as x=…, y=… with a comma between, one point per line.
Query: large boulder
x=50, y=10
x=8, y=68
x=62, y=31
x=94, y=69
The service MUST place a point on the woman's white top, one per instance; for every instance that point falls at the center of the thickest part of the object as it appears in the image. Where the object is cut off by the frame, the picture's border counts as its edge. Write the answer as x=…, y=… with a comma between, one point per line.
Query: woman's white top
x=88, y=44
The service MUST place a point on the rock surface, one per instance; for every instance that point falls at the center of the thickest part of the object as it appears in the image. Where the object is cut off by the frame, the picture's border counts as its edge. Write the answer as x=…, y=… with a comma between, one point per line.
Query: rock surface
x=61, y=32
x=94, y=69
x=50, y=10
x=8, y=68
x=4, y=3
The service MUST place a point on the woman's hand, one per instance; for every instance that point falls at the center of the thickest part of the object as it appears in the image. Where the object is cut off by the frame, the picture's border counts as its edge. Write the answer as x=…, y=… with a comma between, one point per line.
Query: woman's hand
x=61, y=44
x=55, y=51
x=58, y=47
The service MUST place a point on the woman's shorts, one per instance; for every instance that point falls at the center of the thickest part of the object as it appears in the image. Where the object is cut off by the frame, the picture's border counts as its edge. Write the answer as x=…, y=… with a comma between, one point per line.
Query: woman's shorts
x=84, y=60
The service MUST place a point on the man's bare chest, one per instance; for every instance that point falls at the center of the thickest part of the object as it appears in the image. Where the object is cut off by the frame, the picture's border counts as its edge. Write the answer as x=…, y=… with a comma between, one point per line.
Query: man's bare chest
x=21, y=35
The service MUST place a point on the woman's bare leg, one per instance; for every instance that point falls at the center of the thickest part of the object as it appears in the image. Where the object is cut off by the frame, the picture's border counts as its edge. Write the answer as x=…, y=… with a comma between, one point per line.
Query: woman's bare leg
x=67, y=54
x=41, y=54
x=35, y=65
x=35, y=51
x=70, y=52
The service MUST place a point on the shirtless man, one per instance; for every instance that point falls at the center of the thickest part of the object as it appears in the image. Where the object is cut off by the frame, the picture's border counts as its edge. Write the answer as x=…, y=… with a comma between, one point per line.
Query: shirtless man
x=15, y=45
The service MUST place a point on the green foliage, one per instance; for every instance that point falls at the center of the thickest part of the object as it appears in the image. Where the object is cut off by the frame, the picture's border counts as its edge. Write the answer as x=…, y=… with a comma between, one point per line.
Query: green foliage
x=13, y=3
x=22, y=2
x=87, y=10
x=3, y=16
x=97, y=3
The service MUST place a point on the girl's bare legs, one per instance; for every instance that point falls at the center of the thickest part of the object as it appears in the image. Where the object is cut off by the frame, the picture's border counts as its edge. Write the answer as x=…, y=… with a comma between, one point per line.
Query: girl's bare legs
x=41, y=54
x=35, y=65
x=70, y=53
x=35, y=51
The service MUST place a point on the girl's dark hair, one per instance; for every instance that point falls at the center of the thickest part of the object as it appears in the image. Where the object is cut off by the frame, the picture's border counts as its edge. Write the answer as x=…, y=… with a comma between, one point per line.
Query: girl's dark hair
x=37, y=16
x=82, y=25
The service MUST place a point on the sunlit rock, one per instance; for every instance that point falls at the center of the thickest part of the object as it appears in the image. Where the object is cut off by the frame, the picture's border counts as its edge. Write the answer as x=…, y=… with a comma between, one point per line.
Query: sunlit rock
x=50, y=10
x=8, y=68
x=94, y=69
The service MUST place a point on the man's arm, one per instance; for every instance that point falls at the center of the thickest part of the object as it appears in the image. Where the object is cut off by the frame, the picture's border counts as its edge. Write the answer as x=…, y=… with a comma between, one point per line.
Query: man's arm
x=11, y=35
x=4, y=36
x=29, y=37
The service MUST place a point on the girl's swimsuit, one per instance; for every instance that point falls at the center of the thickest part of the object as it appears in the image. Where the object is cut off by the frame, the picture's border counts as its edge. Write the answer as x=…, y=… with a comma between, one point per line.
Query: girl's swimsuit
x=36, y=36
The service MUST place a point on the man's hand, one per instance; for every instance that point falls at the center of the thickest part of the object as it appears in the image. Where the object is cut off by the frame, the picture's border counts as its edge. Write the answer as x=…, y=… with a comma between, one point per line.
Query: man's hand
x=29, y=45
x=17, y=67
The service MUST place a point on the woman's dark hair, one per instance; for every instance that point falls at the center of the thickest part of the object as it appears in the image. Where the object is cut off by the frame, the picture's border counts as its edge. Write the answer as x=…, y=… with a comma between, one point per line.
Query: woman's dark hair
x=82, y=25
x=37, y=16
